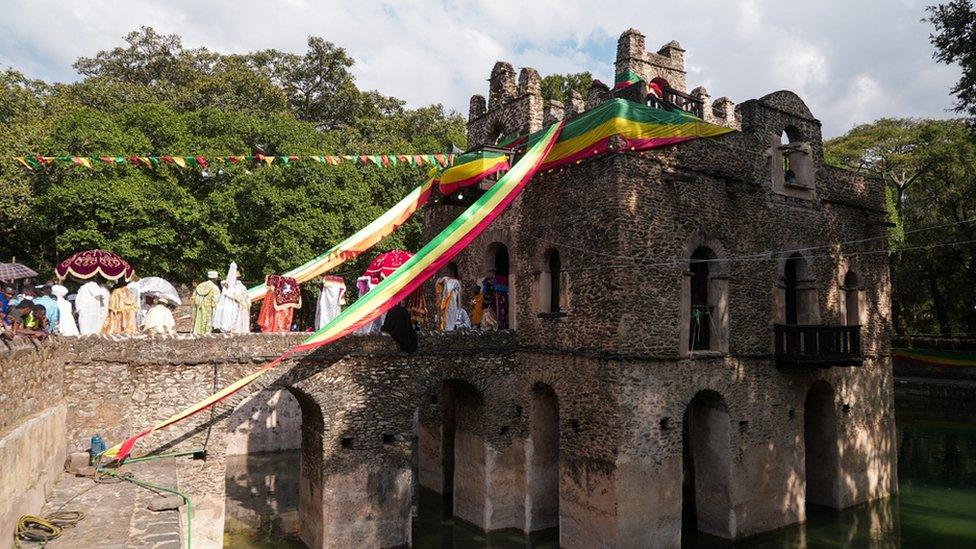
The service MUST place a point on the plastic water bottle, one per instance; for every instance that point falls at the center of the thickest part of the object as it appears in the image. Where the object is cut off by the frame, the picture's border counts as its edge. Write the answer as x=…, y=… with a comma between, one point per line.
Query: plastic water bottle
x=97, y=447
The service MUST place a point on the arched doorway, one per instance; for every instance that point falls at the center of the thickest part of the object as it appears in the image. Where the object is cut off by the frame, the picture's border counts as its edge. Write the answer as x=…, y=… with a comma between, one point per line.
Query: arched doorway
x=499, y=270
x=542, y=461
x=706, y=466
x=267, y=490
x=821, y=452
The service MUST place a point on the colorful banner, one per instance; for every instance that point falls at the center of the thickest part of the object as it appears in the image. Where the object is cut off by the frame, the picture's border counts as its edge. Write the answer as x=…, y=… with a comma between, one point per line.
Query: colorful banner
x=626, y=78
x=203, y=162
x=390, y=291
x=363, y=240
x=472, y=168
x=639, y=127
x=932, y=357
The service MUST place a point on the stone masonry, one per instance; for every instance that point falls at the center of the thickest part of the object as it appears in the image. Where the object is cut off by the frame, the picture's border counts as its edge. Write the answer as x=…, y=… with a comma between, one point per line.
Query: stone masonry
x=602, y=419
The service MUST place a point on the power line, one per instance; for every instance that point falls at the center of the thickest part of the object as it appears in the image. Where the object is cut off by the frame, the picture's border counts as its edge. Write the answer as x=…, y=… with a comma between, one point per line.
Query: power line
x=762, y=256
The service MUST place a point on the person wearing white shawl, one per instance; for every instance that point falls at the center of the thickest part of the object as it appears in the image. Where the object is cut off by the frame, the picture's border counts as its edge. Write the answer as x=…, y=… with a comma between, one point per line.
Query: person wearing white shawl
x=66, y=324
x=450, y=314
x=233, y=312
x=330, y=301
x=364, y=284
x=92, y=306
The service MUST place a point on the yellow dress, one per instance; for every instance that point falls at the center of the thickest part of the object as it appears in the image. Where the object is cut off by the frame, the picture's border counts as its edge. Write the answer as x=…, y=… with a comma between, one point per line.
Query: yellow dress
x=122, y=308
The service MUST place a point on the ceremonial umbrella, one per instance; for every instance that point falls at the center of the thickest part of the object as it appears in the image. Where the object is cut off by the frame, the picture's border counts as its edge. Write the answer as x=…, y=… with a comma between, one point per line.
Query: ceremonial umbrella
x=155, y=286
x=87, y=264
x=385, y=263
x=15, y=271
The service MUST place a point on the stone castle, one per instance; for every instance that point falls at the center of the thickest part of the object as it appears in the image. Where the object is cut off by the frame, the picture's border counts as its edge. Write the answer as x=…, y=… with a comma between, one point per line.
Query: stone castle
x=690, y=349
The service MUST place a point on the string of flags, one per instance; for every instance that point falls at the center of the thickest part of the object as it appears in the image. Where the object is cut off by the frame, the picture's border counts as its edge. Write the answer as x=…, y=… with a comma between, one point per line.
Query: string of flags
x=202, y=162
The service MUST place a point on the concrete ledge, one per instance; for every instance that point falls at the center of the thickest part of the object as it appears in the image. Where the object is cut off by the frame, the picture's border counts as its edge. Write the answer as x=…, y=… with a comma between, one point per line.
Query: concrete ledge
x=32, y=457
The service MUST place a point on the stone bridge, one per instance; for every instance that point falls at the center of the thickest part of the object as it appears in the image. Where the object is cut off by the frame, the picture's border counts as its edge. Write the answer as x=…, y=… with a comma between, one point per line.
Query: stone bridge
x=525, y=438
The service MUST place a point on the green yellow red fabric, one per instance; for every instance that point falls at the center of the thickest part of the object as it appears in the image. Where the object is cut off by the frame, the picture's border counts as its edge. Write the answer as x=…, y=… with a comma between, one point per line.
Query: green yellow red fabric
x=626, y=78
x=638, y=126
x=391, y=290
x=472, y=168
x=362, y=240
x=930, y=357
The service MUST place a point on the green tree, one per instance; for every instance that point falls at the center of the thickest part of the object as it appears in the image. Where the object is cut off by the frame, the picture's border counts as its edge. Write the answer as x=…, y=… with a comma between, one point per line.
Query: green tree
x=152, y=97
x=929, y=169
x=955, y=42
x=559, y=86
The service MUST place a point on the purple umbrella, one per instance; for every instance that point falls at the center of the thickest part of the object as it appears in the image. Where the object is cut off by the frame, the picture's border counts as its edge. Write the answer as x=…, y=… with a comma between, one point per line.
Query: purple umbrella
x=15, y=271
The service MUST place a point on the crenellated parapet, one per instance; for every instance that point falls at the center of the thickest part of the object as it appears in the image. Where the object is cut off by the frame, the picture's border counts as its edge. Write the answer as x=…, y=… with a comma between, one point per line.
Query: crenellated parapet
x=514, y=106
x=668, y=63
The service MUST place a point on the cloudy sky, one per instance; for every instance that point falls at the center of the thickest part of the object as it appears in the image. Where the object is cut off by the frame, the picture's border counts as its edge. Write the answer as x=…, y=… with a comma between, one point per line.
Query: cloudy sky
x=852, y=60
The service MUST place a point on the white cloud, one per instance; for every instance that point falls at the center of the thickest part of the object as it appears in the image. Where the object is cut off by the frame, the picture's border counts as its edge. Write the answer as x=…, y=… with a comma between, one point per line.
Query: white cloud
x=851, y=61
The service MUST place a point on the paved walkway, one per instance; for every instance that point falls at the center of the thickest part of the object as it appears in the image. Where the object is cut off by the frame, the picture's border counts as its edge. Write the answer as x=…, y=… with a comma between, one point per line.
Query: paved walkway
x=116, y=513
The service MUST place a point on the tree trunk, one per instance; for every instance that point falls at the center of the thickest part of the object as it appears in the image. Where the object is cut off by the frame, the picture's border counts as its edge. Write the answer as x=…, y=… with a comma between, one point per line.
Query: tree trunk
x=939, y=304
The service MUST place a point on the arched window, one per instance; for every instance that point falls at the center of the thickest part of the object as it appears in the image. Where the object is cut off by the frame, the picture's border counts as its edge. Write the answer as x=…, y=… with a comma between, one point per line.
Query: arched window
x=549, y=287
x=499, y=275
x=792, y=168
x=799, y=292
x=704, y=301
x=701, y=313
x=852, y=299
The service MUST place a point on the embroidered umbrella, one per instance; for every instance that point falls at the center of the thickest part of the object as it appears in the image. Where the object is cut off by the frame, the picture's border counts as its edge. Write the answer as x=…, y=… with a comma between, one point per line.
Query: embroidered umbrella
x=15, y=271
x=87, y=264
x=385, y=263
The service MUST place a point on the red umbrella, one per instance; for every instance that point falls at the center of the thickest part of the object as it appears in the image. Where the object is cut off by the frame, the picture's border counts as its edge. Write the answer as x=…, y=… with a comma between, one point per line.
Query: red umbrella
x=385, y=263
x=87, y=264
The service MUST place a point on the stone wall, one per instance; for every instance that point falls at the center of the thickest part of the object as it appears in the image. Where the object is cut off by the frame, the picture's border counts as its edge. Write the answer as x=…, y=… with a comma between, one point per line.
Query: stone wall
x=32, y=427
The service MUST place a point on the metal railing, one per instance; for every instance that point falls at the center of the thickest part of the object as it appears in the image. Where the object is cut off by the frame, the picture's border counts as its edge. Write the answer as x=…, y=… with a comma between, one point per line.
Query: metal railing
x=798, y=345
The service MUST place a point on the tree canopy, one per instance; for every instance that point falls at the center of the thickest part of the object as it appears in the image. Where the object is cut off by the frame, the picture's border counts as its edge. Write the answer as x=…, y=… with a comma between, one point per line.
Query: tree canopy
x=955, y=42
x=559, y=86
x=929, y=169
x=153, y=97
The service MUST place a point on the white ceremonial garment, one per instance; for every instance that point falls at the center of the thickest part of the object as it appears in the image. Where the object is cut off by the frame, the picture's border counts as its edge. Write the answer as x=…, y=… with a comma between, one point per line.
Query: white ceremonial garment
x=233, y=312
x=66, y=322
x=92, y=306
x=329, y=304
x=451, y=297
x=159, y=320
x=365, y=285
x=133, y=287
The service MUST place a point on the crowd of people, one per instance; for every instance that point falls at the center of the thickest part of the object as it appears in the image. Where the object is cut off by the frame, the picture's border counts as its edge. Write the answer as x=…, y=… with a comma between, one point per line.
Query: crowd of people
x=224, y=306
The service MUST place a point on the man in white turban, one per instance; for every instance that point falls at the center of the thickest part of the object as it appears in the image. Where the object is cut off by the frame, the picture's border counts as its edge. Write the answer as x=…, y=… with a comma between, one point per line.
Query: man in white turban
x=66, y=322
x=92, y=306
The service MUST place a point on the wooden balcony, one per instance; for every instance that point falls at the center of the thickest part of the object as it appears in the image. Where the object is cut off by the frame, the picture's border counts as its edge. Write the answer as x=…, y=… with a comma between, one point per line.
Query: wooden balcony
x=817, y=346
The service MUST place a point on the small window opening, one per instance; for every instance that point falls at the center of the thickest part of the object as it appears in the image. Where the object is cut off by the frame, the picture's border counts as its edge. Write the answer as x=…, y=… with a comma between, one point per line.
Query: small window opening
x=701, y=312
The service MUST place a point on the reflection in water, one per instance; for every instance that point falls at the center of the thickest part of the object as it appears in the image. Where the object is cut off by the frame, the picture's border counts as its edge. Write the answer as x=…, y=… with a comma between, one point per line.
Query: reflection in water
x=936, y=505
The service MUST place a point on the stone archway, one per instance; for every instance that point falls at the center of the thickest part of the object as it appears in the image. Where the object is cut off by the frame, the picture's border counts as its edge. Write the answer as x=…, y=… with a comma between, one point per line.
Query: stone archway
x=820, y=446
x=291, y=419
x=261, y=481
x=542, y=463
x=706, y=451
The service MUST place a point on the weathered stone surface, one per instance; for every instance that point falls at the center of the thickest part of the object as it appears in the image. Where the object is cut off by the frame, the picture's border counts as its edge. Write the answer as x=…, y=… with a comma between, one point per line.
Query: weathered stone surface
x=165, y=503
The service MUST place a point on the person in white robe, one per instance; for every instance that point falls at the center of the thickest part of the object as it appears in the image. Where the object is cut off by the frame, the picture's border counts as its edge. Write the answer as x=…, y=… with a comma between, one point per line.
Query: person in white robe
x=233, y=312
x=92, y=307
x=159, y=319
x=66, y=322
x=330, y=301
x=136, y=291
x=364, y=284
x=449, y=310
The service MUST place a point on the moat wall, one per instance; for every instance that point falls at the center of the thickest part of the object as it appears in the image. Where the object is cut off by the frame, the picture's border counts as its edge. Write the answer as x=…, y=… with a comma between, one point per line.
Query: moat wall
x=617, y=423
